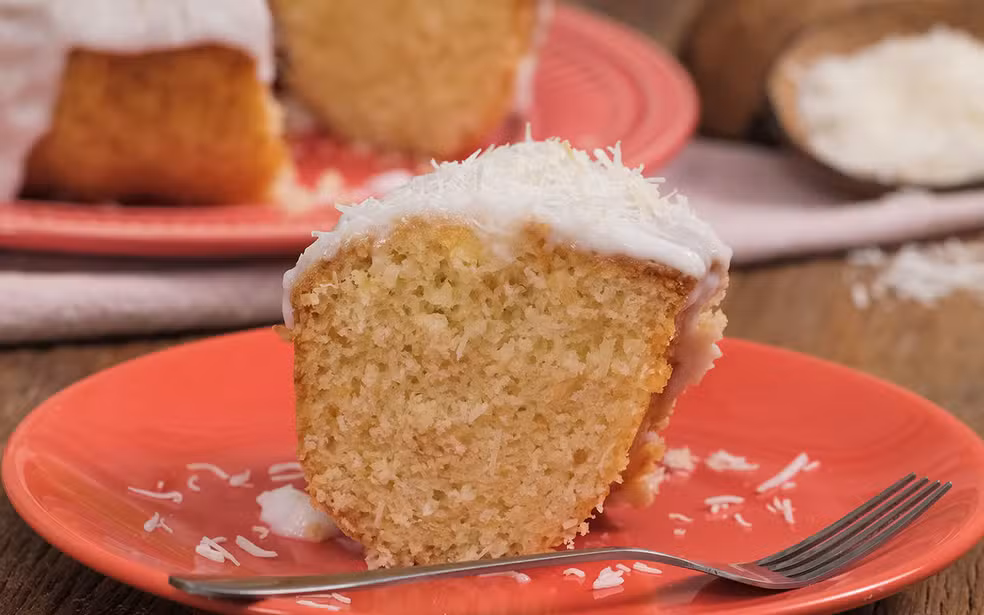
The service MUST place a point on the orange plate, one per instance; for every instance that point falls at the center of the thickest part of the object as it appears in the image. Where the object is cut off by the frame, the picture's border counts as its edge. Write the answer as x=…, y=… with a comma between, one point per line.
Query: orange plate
x=597, y=83
x=228, y=401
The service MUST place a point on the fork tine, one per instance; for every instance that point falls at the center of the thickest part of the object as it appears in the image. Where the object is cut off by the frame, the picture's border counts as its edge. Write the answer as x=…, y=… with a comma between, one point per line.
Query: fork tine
x=848, y=557
x=835, y=527
x=835, y=552
x=849, y=532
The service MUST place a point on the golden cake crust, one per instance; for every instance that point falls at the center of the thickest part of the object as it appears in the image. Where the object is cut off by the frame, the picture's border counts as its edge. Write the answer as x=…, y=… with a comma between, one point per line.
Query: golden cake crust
x=186, y=126
x=430, y=77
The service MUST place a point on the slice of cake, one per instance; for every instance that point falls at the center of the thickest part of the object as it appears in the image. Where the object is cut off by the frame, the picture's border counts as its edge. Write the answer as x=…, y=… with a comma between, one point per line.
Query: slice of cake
x=483, y=354
x=430, y=77
x=162, y=101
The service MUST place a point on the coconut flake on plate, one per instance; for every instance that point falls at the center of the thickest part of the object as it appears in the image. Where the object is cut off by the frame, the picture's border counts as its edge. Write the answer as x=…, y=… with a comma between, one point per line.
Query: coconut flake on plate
x=607, y=578
x=157, y=521
x=574, y=572
x=192, y=483
x=519, y=577
x=246, y=545
x=210, y=548
x=208, y=467
x=787, y=473
x=318, y=605
x=723, y=461
x=240, y=480
x=288, y=512
x=174, y=496
x=261, y=531
x=643, y=567
x=680, y=459
x=740, y=520
x=682, y=518
x=680, y=532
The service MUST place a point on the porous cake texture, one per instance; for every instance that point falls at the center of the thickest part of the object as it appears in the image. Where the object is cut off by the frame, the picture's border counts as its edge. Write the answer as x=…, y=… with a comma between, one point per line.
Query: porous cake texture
x=481, y=356
x=430, y=77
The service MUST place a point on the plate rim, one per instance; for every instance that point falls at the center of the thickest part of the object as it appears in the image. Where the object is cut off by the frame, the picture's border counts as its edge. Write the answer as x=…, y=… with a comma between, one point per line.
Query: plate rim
x=153, y=580
x=289, y=236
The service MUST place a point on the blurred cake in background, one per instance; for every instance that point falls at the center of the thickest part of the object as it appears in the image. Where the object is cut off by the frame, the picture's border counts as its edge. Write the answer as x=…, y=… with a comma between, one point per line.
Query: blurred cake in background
x=427, y=77
x=138, y=101
x=172, y=101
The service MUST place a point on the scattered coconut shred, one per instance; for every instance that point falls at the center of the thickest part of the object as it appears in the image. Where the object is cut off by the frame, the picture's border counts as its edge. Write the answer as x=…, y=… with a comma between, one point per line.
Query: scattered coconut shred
x=922, y=273
x=908, y=109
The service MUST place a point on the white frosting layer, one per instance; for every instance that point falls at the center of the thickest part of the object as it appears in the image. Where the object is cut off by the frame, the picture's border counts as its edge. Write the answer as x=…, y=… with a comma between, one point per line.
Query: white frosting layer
x=37, y=35
x=595, y=203
x=136, y=26
x=32, y=56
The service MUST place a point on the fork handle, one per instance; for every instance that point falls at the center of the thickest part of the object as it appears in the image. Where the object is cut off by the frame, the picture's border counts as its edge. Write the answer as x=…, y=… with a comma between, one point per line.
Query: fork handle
x=263, y=587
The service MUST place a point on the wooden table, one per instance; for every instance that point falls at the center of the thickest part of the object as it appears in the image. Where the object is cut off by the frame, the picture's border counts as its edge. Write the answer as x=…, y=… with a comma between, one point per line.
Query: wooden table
x=803, y=305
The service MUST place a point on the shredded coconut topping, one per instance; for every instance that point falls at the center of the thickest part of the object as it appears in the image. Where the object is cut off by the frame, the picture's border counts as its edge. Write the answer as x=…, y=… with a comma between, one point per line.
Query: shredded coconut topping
x=608, y=578
x=722, y=461
x=287, y=466
x=906, y=109
x=174, y=496
x=574, y=572
x=282, y=478
x=240, y=480
x=680, y=459
x=318, y=605
x=593, y=201
x=261, y=531
x=210, y=548
x=156, y=522
x=208, y=467
x=741, y=520
x=254, y=550
x=784, y=475
x=623, y=568
x=682, y=518
x=642, y=567
x=193, y=483
x=679, y=531
x=784, y=507
x=518, y=576
x=922, y=273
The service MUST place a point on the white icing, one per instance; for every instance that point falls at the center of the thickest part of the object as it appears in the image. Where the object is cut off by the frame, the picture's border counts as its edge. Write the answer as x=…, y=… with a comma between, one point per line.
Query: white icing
x=595, y=203
x=32, y=56
x=36, y=37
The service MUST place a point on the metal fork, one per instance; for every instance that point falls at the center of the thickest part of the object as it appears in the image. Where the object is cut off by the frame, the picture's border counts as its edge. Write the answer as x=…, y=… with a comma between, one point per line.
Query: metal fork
x=822, y=555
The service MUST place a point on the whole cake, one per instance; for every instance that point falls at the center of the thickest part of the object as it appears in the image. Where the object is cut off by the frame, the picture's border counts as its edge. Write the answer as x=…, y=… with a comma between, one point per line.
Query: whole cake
x=171, y=101
x=483, y=354
x=134, y=100
x=430, y=77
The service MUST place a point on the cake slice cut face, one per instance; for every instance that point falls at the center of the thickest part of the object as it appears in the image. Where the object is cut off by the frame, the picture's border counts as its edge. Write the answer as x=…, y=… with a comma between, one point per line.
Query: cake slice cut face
x=481, y=357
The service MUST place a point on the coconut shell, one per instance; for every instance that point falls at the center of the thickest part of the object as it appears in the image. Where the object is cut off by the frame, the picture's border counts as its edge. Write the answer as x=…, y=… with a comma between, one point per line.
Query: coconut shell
x=845, y=34
x=733, y=43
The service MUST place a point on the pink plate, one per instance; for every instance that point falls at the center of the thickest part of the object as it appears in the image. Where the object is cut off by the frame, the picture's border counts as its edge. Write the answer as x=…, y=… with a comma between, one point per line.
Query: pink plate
x=228, y=401
x=597, y=83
